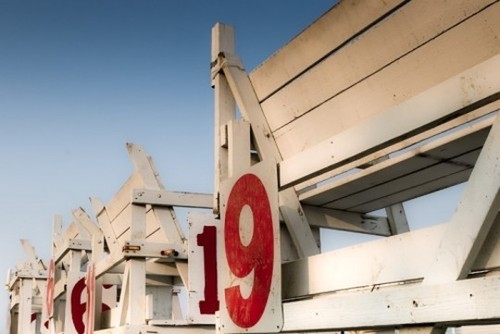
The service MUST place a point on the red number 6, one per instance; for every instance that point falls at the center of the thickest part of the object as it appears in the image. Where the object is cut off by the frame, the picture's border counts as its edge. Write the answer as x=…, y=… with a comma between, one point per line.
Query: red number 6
x=257, y=256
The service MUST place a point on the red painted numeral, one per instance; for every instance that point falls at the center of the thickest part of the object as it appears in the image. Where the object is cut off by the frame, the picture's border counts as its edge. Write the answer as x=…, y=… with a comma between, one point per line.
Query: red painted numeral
x=207, y=239
x=257, y=256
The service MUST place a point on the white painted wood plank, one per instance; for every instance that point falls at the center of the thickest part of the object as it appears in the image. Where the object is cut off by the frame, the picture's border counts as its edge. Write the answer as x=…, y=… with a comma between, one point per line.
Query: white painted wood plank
x=200, y=271
x=144, y=166
x=25, y=297
x=225, y=106
x=446, y=147
x=331, y=30
x=137, y=292
x=430, y=175
x=437, y=102
x=473, y=218
x=122, y=222
x=393, y=259
x=414, y=192
x=404, y=257
x=407, y=29
x=489, y=255
x=346, y=221
x=475, y=41
x=84, y=219
x=172, y=198
x=396, y=216
x=169, y=225
x=405, y=144
x=123, y=197
x=452, y=303
x=238, y=133
x=105, y=225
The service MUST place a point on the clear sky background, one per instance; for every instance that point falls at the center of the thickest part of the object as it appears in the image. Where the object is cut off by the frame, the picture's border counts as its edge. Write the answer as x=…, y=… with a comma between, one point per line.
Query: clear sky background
x=79, y=79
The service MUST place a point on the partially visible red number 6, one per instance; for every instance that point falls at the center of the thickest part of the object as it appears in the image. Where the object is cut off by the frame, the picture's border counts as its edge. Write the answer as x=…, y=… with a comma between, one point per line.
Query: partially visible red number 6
x=257, y=256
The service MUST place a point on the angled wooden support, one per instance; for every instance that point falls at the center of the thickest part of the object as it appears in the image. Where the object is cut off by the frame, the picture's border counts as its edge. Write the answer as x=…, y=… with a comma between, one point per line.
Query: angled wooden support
x=347, y=221
x=105, y=225
x=226, y=63
x=474, y=217
x=397, y=219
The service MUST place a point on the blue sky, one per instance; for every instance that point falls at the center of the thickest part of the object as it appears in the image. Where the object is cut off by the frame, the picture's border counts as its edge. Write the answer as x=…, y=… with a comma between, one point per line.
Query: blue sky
x=79, y=79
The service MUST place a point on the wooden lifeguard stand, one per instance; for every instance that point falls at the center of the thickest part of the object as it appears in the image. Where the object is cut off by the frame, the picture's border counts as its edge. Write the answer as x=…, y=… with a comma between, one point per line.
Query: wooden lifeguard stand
x=65, y=307
x=26, y=286
x=374, y=104
x=145, y=249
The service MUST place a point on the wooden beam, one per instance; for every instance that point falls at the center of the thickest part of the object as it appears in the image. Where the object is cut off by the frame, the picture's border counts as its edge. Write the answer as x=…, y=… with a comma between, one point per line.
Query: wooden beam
x=404, y=257
x=348, y=19
x=172, y=198
x=418, y=112
x=400, y=258
x=411, y=26
x=396, y=217
x=225, y=106
x=144, y=166
x=400, y=146
x=346, y=221
x=238, y=137
x=454, y=303
x=416, y=166
x=475, y=40
x=105, y=225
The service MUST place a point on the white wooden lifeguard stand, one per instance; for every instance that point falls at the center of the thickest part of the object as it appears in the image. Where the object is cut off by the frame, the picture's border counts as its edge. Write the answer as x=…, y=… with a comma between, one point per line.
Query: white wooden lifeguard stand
x=66, y=293
x=146, y=250
x=26, y=286
x=374, y=104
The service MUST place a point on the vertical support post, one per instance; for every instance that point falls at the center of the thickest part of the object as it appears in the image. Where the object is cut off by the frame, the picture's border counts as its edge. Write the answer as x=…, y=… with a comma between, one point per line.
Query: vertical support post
x=176, y=305
x=25, y=300
x=224, y=106
x=238, y=133
x=97, y=254
x=137, y=274
x=398, y=223
x=137, y=292
x=241, y=90
x=56, y=233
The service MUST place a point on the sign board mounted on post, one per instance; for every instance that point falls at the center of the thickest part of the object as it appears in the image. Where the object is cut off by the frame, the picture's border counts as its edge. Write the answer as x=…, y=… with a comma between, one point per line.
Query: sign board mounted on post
x=249, y=253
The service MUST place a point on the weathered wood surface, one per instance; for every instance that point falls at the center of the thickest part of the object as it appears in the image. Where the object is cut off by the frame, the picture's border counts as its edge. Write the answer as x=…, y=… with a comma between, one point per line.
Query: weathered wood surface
x=367, y=79
x=399, y=179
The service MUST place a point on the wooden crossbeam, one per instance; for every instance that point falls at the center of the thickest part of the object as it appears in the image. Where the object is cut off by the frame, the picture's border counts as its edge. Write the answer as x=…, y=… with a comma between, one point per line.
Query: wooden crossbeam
x=454, y=303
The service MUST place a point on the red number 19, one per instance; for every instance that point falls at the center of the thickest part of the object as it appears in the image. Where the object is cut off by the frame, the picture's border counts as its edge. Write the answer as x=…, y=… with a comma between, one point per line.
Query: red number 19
x=257, y=256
